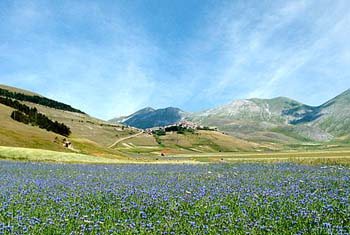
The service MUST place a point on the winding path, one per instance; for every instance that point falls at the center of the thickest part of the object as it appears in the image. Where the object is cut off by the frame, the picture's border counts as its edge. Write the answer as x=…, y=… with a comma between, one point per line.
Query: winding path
x=125, y=138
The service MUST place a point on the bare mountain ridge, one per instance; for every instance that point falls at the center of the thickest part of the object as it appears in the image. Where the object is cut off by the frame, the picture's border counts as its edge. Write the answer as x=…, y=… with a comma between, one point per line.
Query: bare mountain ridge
x=149, y=117
x=260, y=118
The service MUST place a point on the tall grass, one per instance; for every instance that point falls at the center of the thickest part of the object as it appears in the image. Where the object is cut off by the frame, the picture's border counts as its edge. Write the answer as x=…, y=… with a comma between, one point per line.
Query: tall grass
x=38, y=155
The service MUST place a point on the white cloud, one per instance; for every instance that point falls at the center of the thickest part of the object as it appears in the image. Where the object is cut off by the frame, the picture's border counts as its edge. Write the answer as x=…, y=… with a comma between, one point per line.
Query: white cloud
x=263, y=47
x=75, y=52
x=105, y=74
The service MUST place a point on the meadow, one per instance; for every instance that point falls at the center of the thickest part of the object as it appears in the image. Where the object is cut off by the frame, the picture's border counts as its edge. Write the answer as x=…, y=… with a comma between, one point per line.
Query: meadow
x=241, y=198
x=41, y=155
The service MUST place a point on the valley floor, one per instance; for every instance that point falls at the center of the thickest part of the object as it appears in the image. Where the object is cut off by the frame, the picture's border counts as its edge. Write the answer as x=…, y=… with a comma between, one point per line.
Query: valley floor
x=304, y=157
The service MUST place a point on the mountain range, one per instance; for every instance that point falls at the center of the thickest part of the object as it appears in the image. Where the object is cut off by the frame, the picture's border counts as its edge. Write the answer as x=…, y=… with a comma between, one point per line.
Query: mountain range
x=149, y=117
x=31, y=120
x=279, y=119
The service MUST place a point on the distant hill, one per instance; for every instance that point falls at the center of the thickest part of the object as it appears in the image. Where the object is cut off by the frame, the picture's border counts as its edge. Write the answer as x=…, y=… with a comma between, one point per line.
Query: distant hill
x=149, y=117
x=257, y=110
x=141, y=112
x=280, y=119
x=253, y=117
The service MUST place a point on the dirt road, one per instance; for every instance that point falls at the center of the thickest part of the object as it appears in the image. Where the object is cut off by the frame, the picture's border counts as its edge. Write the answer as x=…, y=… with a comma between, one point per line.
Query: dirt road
x=125, y=138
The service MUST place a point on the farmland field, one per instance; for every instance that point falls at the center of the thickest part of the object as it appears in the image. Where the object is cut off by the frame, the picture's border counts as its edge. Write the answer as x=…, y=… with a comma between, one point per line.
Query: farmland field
x=279, y=198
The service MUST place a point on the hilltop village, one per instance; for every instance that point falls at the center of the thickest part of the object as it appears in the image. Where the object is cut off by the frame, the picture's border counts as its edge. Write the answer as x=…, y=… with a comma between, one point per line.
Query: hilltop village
x=179, y=127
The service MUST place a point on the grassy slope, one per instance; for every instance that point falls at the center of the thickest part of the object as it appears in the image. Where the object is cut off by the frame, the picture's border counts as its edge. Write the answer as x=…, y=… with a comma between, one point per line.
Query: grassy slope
x=86, y=127
x=14, y=89
x=201, y=141
x=210, y=141
x=17, y=134
x=89, y=135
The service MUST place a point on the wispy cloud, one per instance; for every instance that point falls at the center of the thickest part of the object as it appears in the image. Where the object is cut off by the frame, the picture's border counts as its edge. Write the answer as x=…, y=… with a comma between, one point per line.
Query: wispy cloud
x=106, y=58
x=263, y=46
x=105, y=74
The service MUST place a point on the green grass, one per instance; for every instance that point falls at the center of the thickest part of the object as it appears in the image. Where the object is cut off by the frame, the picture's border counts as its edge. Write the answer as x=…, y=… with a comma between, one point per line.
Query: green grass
x=200, y=141
x=310, y=157
x=87, y=138
x=290, y=132
x=38, y=155
x=17, y=134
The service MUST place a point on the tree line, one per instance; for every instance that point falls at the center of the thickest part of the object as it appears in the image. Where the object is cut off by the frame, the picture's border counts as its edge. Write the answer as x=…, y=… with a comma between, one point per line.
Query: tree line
x=27, y=115
x=38, y=100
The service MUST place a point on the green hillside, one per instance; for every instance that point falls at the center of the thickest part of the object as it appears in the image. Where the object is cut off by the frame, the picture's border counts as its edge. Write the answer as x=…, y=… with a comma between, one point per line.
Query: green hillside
x=188, y=142
x=254, y=125
x=88, y=135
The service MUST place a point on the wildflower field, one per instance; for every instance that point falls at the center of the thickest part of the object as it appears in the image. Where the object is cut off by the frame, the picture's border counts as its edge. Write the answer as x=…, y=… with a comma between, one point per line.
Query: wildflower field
x=284, y=198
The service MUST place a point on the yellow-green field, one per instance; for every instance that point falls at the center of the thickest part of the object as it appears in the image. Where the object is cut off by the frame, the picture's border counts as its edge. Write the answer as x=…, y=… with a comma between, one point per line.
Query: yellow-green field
x=197, y=142
x=306, y=157
x=38, y=155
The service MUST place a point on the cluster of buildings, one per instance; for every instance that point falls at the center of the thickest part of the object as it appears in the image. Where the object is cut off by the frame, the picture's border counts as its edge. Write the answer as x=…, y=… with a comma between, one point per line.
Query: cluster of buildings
x=183, y=124
x=188, y=125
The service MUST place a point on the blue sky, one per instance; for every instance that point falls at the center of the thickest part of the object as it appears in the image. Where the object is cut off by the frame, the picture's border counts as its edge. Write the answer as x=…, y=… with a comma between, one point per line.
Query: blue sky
x=111, y=58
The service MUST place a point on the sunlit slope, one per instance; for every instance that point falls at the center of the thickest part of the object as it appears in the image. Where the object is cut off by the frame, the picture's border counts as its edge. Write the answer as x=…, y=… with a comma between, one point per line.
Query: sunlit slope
x=17, y=134
x=18, y=90
x=86, y=127
x=89, y=135
x=200, y=141
x=13, y=133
